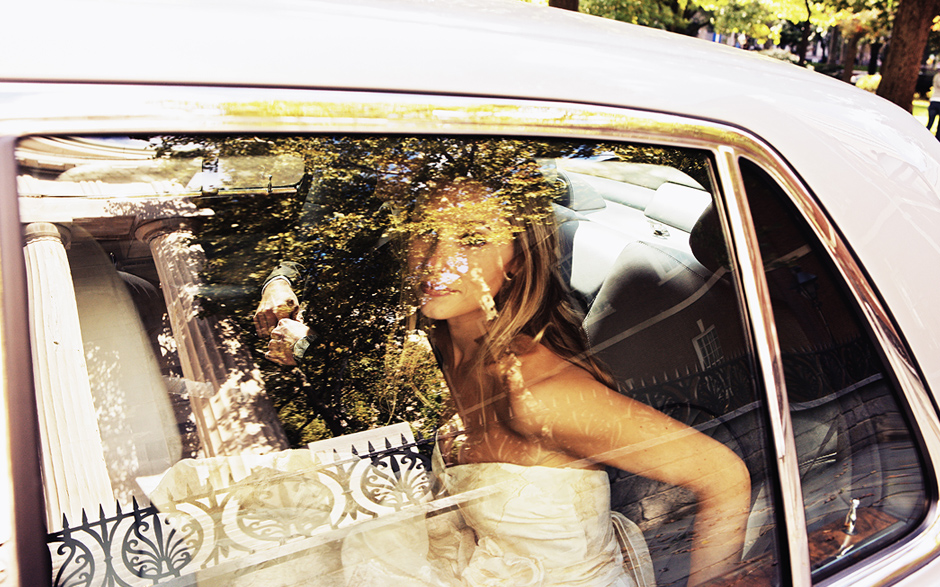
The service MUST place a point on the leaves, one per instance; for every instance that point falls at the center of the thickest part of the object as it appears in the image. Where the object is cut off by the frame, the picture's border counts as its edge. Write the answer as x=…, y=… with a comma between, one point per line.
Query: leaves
x=346, y=222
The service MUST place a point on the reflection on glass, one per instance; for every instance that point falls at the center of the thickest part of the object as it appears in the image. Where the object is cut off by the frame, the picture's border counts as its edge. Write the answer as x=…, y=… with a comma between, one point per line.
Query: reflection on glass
x=396, y=360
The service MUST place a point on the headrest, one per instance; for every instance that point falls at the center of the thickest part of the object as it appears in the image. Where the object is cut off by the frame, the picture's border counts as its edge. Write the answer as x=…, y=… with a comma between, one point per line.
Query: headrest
x=708, y=242
x=677, y=205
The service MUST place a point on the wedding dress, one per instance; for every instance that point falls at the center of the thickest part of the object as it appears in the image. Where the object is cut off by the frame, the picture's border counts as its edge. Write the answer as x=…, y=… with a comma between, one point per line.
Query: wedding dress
x=518, y=526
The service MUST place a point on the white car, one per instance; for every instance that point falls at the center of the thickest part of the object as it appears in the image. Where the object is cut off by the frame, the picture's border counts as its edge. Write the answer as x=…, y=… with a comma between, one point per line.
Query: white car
x=745, y=244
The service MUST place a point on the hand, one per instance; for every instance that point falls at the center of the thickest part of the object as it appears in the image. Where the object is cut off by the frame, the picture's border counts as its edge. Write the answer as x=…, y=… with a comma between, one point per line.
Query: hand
x=283, y=338
x=278, y=301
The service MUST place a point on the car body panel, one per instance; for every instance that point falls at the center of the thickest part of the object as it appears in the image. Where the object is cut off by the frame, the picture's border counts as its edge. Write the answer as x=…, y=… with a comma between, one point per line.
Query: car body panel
x=824, y=128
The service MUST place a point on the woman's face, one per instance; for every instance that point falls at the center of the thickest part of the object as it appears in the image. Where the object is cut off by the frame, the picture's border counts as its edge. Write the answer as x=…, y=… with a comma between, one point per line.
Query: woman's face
x=461, y=253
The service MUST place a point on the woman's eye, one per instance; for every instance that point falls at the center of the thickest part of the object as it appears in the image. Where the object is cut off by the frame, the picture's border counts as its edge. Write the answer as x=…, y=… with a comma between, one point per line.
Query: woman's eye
x=473, y=239
x=425, y=236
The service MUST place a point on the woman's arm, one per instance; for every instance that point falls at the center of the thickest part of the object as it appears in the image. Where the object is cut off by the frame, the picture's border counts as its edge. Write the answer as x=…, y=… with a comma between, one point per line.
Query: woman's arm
x=584, y=418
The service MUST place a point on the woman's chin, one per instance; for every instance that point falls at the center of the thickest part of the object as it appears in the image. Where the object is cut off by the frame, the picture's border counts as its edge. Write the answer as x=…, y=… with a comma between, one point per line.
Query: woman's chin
x=434, y=313
x=445, y=307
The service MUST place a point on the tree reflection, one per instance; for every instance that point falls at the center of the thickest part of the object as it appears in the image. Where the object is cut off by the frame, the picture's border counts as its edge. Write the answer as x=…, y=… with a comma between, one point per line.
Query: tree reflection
x=343, y=223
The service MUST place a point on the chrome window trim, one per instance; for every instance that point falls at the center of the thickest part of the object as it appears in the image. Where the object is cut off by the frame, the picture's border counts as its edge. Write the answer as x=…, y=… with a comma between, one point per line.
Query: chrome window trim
x=770, y=364
x=61, y=108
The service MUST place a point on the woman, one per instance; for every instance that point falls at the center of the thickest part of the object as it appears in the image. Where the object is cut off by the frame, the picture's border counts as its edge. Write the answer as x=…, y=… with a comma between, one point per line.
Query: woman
x=536, y=419
x=537, y=416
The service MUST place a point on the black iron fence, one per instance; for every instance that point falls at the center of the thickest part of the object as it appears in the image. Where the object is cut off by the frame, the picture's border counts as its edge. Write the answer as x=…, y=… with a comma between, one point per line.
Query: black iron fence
x=149, y=545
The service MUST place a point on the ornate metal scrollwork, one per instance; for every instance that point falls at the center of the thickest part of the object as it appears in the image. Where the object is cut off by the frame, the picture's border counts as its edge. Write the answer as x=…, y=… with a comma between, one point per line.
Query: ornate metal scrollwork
x=133, y=547
x=815, y=373
x=701, y=395
x=77, y=563
x=147, y=545
x=157, y=546
x=728, y=385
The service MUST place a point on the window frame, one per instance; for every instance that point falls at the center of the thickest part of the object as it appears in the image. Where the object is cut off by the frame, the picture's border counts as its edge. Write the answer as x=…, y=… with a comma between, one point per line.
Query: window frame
x=913, y=550
x=67, y=109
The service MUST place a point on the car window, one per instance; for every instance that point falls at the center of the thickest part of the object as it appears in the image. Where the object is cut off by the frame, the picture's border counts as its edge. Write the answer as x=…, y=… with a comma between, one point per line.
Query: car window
x=860, y=469
x=391, y=360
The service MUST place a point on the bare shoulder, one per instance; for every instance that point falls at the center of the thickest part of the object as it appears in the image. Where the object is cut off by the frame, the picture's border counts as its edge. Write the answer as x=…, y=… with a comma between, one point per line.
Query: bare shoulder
x=553, y=394
x=546, y=373
x=546, y=389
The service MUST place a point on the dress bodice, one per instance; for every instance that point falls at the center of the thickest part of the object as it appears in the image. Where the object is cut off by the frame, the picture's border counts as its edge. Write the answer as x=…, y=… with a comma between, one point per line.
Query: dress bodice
x=546, y=522
x=518, y=526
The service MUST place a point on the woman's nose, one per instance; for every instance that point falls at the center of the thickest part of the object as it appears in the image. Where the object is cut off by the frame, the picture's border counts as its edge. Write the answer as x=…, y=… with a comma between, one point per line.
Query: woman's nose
x=447, y=257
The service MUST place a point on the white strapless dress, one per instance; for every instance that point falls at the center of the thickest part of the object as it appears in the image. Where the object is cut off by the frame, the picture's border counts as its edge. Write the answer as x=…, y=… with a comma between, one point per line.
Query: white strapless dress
x=514, y=526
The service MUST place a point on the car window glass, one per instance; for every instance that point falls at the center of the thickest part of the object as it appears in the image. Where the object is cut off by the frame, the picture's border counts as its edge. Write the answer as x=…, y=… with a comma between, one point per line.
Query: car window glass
x=859, y=465
x=346, y=360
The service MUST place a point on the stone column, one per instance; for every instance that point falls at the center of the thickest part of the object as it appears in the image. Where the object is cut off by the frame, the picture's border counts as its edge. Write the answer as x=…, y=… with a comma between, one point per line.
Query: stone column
x=235, y=416
x=75, y=474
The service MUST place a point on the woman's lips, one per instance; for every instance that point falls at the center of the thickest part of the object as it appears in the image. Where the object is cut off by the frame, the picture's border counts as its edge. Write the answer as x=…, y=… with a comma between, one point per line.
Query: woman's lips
x=435, y=290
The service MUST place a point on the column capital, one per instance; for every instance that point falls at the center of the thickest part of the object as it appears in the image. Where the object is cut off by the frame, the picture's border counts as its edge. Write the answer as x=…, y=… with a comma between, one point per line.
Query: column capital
x=148, y=231
x=36, y=231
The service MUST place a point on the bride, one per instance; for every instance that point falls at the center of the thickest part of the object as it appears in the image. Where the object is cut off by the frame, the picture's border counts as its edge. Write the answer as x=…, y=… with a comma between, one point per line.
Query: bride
x=538, y=419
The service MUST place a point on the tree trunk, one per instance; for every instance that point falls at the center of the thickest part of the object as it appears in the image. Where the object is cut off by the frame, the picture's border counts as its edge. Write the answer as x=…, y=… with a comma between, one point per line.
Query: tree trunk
x=849, y=55
x=875, y=49
x=804, y=43
x=835, y=44
x=908, y=40
x=804, y=38
x=565, y=4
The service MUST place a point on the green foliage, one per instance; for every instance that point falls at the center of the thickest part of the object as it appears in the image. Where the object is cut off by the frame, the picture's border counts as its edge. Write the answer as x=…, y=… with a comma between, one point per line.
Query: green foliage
x=669, y=15
x=346, y=223
x=869, y=83
x=750, y=17
x=760, y=20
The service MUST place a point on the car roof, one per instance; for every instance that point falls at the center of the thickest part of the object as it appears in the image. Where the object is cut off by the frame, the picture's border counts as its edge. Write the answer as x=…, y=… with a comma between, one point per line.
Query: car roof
x=874, y=167
x=499, y=48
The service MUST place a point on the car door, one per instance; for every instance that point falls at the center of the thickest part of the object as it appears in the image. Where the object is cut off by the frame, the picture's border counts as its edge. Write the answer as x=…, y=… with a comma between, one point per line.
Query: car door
x=707, y=281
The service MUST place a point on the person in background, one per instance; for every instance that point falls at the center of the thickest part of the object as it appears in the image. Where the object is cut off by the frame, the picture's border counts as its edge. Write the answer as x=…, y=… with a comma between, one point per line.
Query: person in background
x=933, y=110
